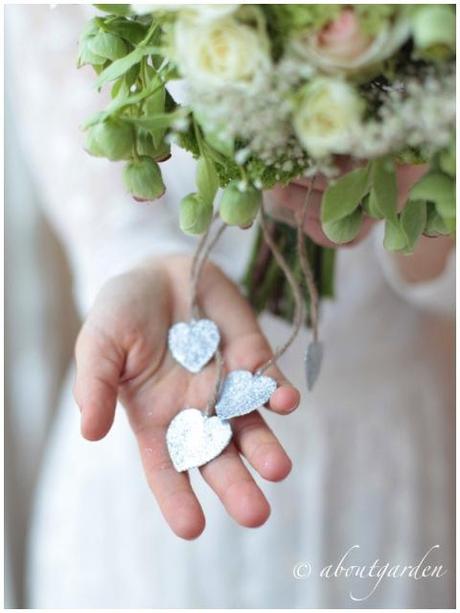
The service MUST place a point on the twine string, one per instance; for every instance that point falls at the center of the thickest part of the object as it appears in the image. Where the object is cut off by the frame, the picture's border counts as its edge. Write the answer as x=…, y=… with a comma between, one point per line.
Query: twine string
x=200, y=256
x=305, y=262
x=202, y=252
x=199, y=259
x=299, y=312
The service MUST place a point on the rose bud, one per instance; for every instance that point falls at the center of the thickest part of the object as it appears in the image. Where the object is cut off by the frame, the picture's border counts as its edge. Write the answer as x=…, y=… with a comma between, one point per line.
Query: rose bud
x=239, y=208
x=195, y=215
x=112, y=139
x=143, y=179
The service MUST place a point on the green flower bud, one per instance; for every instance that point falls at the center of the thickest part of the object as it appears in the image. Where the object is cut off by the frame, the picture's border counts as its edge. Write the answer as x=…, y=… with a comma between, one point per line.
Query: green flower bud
x=107, y=45
x=195, y=215
x=433, y=29
x=143, y=179
x=239, y=208
x=85, y=55
x=112, y=139
x=146, y=147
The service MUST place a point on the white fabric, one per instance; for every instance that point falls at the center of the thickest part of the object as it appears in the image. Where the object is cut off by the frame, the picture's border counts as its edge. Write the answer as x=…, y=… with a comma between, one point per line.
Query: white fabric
x=372, y=446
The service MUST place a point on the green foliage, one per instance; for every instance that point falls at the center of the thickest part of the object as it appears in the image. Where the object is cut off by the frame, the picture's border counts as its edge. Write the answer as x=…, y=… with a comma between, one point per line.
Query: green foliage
x=207, y=180
x=107, y=45
x=413, y=221
x=114, y=9
x=345, y=229
x=344, y=196
x=122, y=65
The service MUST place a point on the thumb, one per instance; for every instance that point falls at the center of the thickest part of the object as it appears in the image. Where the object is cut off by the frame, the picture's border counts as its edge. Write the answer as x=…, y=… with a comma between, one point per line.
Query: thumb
x=99, y=363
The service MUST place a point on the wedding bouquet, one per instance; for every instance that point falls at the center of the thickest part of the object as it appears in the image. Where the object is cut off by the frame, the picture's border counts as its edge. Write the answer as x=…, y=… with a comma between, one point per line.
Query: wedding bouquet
x=274, y=93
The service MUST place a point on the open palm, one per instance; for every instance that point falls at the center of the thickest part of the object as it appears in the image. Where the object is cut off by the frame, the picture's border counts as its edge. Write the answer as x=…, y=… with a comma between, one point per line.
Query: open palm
x=122, y=352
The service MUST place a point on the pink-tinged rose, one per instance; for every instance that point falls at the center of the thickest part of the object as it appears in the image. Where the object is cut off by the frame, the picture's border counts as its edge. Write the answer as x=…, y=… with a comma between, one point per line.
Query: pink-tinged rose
x=342, y=47
x=343, y=38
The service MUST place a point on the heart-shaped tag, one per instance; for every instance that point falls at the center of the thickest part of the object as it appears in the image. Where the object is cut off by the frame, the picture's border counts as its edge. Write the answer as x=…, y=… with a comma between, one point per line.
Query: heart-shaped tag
x=193, y=344
x=243, y=392
x=193, y=438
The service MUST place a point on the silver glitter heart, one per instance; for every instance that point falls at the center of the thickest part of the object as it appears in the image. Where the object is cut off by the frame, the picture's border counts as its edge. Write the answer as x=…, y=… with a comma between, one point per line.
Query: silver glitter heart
x=193, y=344
x=243, y=392
x=193, y=438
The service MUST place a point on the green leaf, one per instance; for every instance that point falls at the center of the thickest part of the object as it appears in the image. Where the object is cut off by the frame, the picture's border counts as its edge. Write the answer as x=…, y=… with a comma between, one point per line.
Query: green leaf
x=85, y=55
x=114, y=9
x=132, y=32
x=146, y=147
x=395, y=239
x=438, y=188
x=371, y=207
x=345, y=229
x=88, y=57
x=154, y=122
x=435, y=225
x=119, y=103
x=344, y=196
x=154, y=105
x=121, y=66
x=384, y=192
x=207, y=180
x=413, y=221
x=108, y=46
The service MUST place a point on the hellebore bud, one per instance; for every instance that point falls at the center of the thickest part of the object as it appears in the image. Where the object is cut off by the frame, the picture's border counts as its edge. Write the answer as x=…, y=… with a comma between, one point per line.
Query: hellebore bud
x=239, y=208
x=143, y=179
x=195, y=214
x=111, y=139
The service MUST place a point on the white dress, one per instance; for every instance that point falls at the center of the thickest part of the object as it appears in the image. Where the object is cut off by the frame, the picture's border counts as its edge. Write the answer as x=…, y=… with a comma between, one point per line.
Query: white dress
x=372, y=446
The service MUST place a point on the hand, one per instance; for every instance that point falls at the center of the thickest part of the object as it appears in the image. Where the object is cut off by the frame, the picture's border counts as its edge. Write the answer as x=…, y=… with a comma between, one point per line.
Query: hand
x=122, y=351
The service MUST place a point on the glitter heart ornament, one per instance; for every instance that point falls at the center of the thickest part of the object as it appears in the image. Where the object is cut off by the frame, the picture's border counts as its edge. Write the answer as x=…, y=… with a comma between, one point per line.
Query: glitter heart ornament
x=194, y=439
x=193, y=344
x=242, y=392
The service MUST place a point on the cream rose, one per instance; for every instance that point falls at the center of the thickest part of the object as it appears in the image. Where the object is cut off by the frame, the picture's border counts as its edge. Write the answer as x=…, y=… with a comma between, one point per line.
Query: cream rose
x=329, y=112
x=342, y=46
x=203, y=12
x=220, y=52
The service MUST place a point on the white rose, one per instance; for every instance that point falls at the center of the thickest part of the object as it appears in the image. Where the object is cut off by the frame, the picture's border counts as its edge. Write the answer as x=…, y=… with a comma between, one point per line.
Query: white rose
x=220, y=52
x=209, y=12
x=203, y=12
x=328, y=113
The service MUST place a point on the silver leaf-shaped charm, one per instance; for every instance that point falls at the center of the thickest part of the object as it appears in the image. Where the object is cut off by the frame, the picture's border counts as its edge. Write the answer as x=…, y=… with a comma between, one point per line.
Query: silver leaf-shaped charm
x=193, y=344
x=193, y=439
x=313, y=361
x=243, y=392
